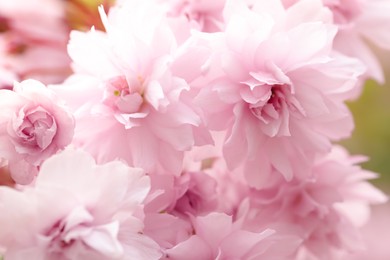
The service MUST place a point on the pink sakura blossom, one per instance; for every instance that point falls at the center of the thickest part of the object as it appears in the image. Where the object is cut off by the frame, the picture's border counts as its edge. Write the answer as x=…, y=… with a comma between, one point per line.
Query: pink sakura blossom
x=276, y=86
x=172, y=216
x=34, y=124
x=326, y=210
x=200, y=188
x=359, y=21
x=60, y=218
x=127, y=102
x=29, y=33
x=172, y=200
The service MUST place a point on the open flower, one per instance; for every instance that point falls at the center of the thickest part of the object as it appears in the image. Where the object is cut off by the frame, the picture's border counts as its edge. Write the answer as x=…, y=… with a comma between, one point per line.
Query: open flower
x=34, y=124
x=127, y=102
x=277, y=87
x=104, y=222
x=326, y=210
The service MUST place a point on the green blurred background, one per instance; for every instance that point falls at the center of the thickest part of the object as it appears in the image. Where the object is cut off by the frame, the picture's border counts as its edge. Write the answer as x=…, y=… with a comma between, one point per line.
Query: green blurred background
x=371, y=136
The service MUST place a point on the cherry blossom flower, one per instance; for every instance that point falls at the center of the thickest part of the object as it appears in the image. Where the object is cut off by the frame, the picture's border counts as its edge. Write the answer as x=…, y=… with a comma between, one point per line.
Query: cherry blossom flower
x=60, y=218
x=34, y=124
x=276, y=115
x=126, y=100
x=326, y=210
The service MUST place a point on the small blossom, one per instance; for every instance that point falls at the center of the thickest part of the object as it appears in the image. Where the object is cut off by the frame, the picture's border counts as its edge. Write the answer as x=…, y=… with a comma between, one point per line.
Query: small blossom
x=34, y=124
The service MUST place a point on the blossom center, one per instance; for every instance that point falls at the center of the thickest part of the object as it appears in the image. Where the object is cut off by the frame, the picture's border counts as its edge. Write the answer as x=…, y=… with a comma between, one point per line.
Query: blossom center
x=79, y=229
x=124, y=97
x=271, y=109
x=35, y=128
x=275, y=111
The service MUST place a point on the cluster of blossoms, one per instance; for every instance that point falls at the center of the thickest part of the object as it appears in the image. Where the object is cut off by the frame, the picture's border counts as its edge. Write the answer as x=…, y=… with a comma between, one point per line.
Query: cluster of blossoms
x=185, y=129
